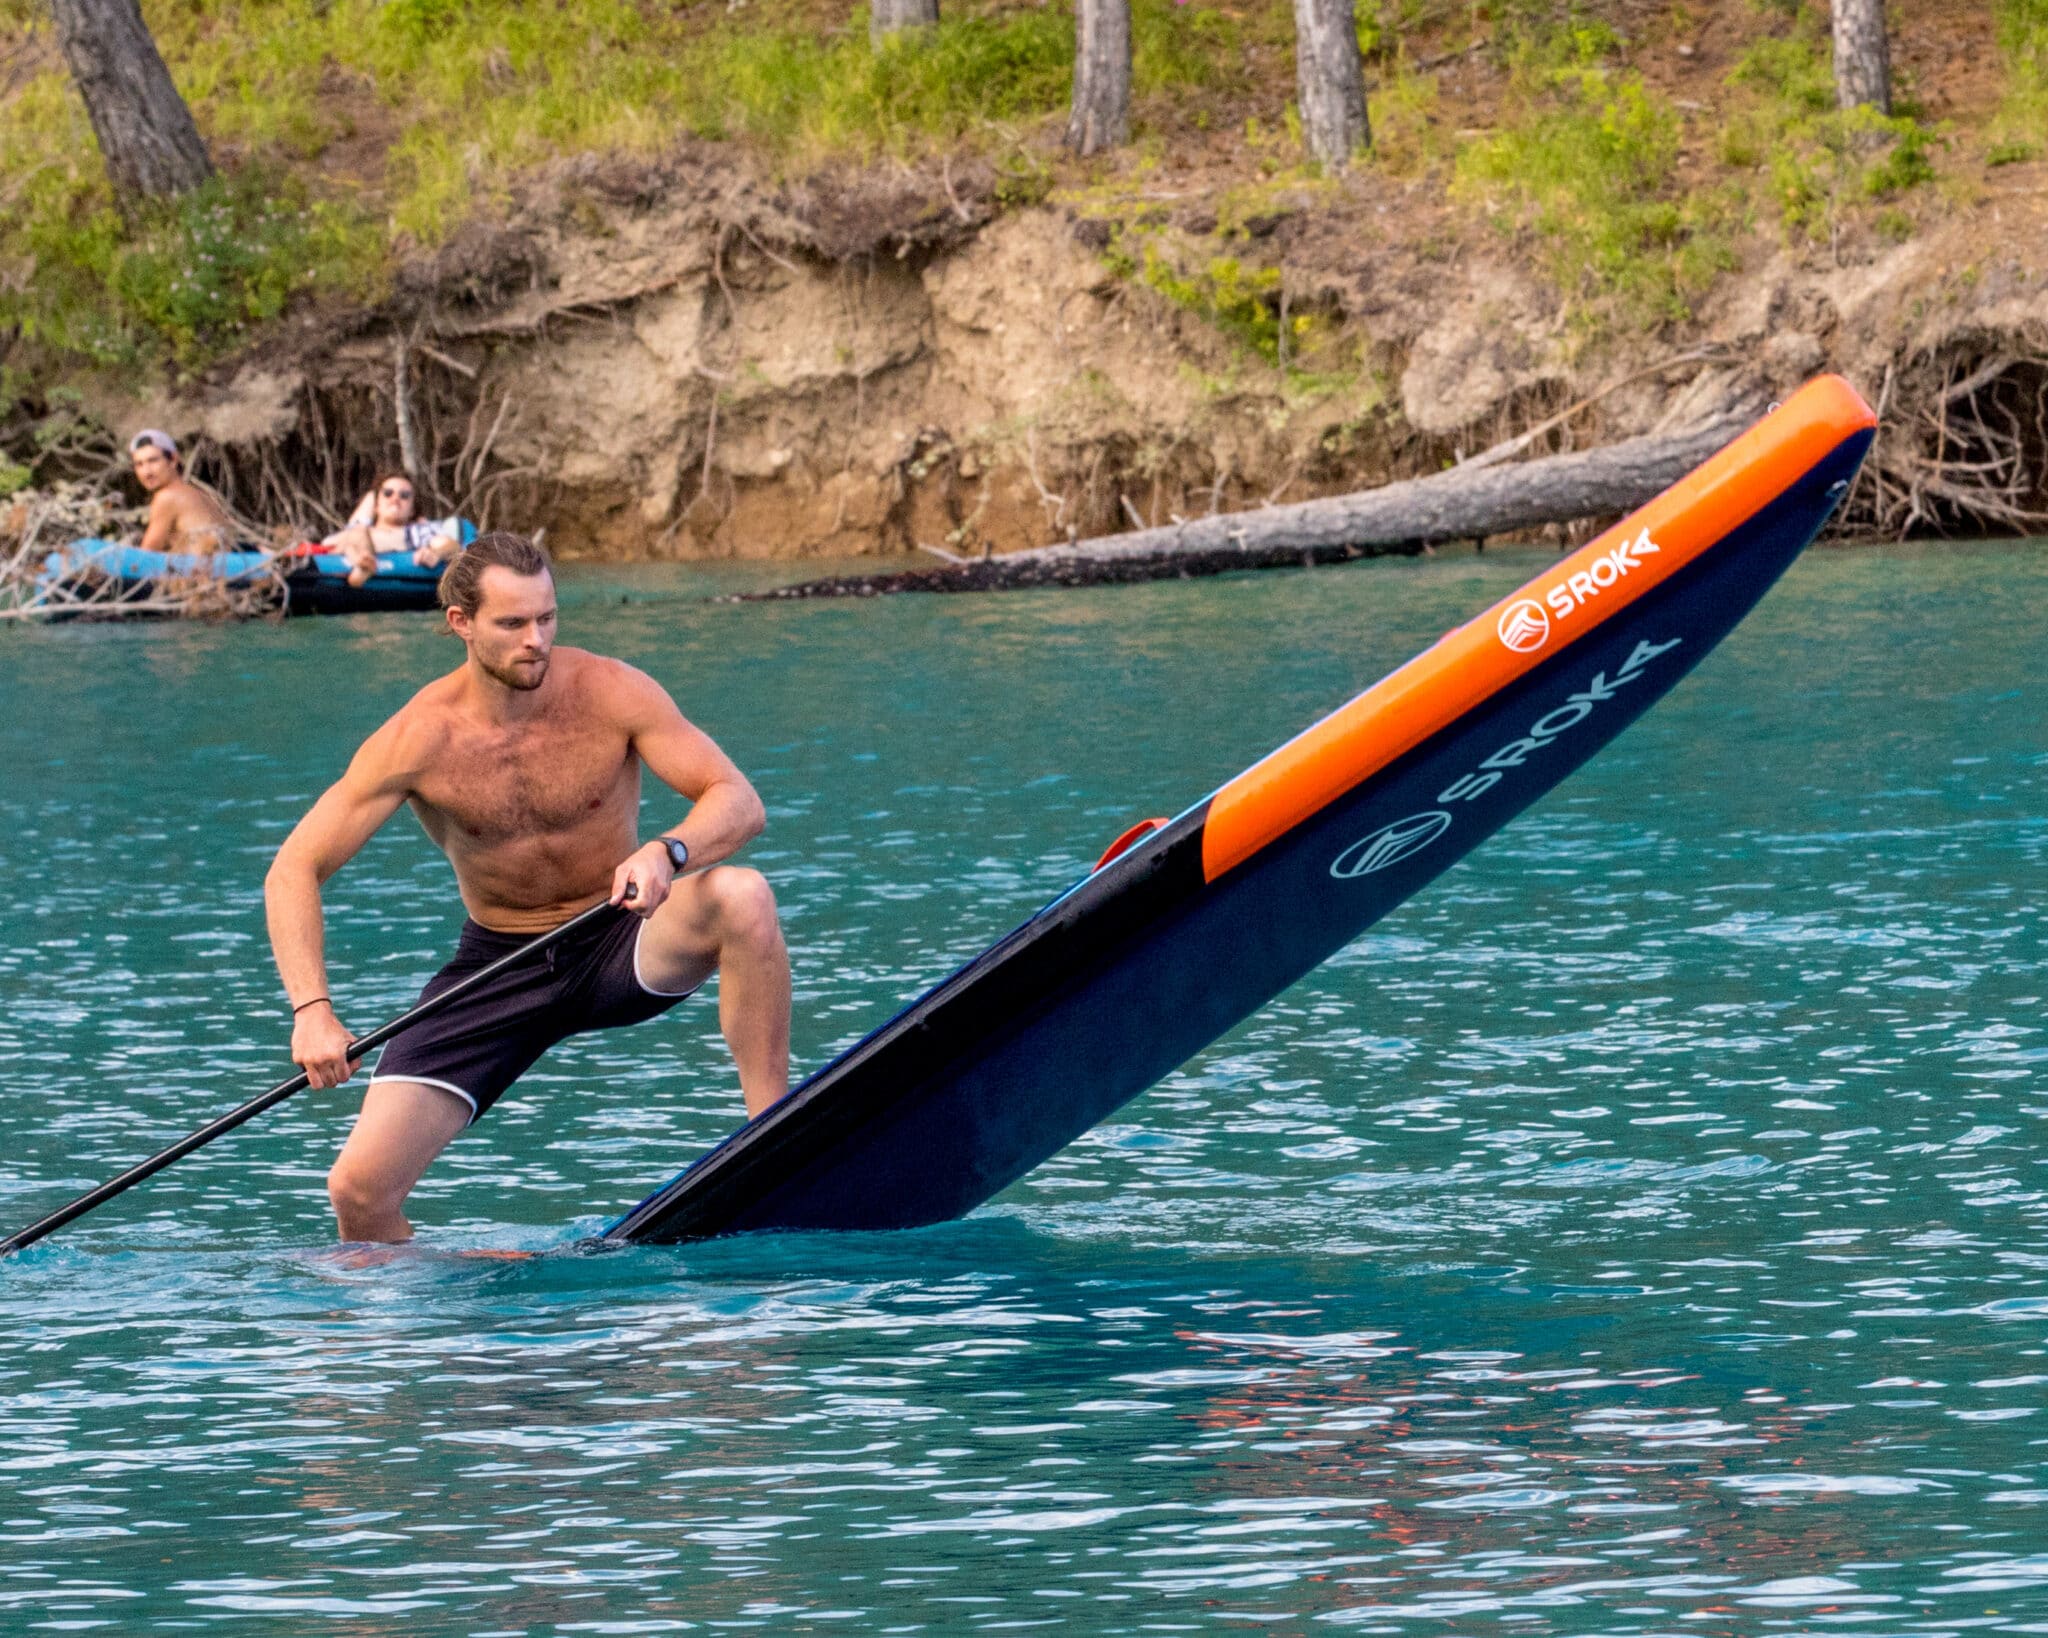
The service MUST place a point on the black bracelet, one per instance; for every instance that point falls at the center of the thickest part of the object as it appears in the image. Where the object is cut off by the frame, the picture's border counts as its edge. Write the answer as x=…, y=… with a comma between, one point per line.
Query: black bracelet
x=303, y=1005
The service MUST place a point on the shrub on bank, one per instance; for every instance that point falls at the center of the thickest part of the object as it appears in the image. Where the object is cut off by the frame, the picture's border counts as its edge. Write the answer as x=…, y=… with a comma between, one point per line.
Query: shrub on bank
x=2020, y=128
x=1586, y=161
x=1825, y=164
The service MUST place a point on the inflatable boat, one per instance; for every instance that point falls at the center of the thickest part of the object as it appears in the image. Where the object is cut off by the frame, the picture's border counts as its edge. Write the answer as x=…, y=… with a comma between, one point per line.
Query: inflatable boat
x=312, y=581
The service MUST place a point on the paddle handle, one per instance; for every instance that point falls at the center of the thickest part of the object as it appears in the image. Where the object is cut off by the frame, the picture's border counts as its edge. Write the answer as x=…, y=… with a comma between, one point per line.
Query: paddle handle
x=284, y=1089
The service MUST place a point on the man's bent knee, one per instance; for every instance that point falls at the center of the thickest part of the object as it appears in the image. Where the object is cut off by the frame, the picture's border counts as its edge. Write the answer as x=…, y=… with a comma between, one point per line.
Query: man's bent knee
x=745, y=904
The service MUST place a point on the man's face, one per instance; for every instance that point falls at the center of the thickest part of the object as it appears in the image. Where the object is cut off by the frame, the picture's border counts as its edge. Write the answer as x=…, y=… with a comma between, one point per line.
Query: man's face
x=153, y=468
x=513, y=630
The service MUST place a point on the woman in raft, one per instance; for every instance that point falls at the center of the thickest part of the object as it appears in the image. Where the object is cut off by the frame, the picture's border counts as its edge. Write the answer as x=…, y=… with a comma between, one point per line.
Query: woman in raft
x=383, y=521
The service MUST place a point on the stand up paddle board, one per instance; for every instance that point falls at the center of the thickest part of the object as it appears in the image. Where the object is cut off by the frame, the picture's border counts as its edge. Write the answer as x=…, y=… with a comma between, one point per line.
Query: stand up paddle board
x=1186, y=929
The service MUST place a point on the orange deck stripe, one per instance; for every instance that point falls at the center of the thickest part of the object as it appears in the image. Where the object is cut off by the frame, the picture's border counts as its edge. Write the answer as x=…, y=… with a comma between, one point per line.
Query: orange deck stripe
x=1432, y=690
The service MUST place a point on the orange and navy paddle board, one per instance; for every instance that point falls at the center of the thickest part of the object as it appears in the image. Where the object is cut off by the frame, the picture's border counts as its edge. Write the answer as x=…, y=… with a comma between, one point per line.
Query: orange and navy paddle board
x=1185, y=930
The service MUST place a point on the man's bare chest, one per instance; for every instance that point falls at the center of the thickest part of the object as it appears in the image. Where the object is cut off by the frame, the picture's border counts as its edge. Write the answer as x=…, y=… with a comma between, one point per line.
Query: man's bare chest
x=500, y=788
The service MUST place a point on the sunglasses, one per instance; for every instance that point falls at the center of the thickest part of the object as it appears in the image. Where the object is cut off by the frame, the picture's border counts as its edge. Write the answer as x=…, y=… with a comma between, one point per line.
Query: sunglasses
x=396, y=494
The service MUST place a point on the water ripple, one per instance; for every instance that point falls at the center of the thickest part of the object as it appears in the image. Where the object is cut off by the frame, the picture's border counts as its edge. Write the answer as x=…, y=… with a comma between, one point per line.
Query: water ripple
x=1641, y=1233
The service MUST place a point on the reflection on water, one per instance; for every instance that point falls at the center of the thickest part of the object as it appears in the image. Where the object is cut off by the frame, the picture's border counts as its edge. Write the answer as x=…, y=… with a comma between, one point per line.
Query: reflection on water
x=1642, y=1232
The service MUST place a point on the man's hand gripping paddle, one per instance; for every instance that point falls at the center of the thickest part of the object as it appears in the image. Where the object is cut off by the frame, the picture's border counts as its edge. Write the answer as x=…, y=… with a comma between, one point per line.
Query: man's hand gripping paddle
x=284, y=1089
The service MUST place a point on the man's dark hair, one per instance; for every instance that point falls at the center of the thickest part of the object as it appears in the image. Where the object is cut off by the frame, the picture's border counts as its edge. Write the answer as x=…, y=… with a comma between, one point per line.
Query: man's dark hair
x=462, y=581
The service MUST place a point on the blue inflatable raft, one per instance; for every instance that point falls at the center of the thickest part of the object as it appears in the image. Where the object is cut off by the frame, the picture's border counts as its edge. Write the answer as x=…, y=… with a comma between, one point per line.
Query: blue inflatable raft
x=314, y=582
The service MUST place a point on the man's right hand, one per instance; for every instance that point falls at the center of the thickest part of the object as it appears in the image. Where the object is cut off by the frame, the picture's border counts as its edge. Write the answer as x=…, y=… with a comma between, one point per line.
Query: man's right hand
x=320, y=1045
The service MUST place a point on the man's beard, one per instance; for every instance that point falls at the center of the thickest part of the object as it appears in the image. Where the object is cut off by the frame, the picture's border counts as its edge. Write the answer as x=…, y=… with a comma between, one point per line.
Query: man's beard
x=525, y=677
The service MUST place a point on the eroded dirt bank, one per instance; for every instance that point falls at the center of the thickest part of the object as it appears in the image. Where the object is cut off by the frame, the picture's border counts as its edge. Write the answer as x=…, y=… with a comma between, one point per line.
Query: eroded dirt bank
x=673, y=360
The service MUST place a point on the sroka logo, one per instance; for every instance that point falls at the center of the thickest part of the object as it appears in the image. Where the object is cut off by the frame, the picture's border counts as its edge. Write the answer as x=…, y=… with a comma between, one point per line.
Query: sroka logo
x=1400, y=840
x=1407, y=837
x=1524, y=626
x=1546, y=729
x=1583, y=585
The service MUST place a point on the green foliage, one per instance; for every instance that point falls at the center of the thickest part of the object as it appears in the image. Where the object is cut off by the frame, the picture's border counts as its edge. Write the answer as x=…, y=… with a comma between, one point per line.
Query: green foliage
x=444, y=101
x=1790, y=72
x=2023, y=37
x=2017, y=130
x=184, y=281
x=1406, y=137
x=1824, y=164
x=1587, y=162
x=810, y=98
x=200, y=272
x=1182, y=48
x=1241, y=301
x=1544, y=34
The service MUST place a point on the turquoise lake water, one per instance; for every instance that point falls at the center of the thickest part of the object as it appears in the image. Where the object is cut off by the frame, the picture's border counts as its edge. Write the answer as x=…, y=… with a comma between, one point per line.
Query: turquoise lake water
x=1643, y=1231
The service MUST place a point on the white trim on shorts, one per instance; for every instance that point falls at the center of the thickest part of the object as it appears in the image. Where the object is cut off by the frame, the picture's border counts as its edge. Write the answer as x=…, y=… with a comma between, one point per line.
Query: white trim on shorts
x=666, y=995
x=426, y=1080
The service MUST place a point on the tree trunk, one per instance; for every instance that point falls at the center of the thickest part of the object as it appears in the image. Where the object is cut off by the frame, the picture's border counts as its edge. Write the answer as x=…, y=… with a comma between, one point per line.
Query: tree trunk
x=151, y=147
x=1863, y=58
x=1465, y=503
x=1102, y=76
x=889, y=17
x=1330, y=80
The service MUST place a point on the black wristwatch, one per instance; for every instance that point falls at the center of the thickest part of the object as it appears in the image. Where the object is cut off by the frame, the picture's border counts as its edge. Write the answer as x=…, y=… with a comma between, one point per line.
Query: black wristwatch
x=678, y=852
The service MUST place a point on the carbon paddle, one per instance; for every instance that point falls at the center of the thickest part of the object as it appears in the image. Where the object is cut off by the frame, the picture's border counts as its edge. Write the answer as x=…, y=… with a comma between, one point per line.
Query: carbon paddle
x=284, y=1089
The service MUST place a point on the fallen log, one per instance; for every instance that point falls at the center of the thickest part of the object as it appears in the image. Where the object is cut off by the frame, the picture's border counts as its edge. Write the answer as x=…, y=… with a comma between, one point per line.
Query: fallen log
x=1468, y=502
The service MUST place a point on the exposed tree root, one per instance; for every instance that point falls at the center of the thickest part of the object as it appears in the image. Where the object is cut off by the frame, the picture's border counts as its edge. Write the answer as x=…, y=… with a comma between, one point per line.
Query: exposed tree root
x=1962, y=446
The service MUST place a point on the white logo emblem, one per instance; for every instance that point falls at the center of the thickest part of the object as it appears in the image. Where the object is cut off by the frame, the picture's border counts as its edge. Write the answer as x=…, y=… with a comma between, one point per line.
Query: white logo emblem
x=1390, y=846
x=1524, y=626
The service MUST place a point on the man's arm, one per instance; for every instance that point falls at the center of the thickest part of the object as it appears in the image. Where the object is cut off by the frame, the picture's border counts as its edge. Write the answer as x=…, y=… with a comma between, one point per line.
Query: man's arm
x=333, y=832
x=725, y=813
x=163, y=519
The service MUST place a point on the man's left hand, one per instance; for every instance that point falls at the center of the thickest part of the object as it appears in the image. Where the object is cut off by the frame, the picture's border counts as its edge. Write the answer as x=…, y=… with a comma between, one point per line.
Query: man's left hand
x=650, y=874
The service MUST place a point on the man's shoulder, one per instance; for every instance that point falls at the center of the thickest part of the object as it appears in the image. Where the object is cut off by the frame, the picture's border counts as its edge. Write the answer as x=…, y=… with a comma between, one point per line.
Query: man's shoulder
x=605, y=680
x=417, y=727
x=187, y=499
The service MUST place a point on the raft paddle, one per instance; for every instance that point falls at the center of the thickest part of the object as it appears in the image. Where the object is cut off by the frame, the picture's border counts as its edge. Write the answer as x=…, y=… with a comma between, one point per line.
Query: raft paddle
x=284, y=1089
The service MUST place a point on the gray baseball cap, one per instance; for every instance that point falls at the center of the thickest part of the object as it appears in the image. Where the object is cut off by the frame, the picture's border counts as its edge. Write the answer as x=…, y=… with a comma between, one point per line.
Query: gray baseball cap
x=155, y=439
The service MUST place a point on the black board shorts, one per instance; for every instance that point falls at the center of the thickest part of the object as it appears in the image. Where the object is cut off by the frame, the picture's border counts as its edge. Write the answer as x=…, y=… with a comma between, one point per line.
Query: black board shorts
x=483, y=1043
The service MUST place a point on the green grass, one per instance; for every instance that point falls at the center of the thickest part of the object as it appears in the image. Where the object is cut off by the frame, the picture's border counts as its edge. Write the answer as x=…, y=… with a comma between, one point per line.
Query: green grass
x=2019, y=130
x=809, y=99
x=1824, y=166
x=448, y=101
x=183, y=282
x=1586, y=162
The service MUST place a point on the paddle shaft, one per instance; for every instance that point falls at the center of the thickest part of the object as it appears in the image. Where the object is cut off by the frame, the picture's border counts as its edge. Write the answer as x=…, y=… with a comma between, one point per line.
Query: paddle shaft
x=284, y=1089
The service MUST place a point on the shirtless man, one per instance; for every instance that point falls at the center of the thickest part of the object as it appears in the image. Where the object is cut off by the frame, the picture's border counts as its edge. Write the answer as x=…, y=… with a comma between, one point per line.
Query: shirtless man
x=523, y=766
x=182, y=516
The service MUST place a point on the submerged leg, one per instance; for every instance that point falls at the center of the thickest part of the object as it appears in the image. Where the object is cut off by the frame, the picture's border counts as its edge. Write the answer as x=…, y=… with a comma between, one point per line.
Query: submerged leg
x=724, y=921
x=403, y=1126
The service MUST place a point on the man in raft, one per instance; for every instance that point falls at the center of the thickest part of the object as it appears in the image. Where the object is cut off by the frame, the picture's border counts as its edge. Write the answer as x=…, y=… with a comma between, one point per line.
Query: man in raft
x=523, y=766
x=182, y=516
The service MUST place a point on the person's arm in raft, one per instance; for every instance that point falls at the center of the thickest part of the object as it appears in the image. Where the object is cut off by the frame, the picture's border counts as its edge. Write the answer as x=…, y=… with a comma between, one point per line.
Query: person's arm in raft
x=725, y=813
x=163, y=521
x=347, y=815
